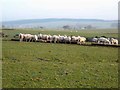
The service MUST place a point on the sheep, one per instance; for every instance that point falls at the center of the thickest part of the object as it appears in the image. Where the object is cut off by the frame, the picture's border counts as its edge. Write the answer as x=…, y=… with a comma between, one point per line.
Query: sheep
x=21, y=37
x=103, y=40
x=67, y=39
x=74, y=39
x=81, y=40
x=114, y=41
x=33, y=38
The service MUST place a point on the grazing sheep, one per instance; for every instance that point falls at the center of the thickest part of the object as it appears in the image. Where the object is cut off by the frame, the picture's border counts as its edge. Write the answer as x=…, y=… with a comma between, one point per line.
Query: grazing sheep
x=103, y=40
x=33, y=38
x=114, y=41
x=81, y=40
x=39, y=36
x=21, y=37
x=60, y=39
x=74, y=39
x=50, y=38
x=94, y=39
x=27, y=37
x=67, y=39
x=55, y=38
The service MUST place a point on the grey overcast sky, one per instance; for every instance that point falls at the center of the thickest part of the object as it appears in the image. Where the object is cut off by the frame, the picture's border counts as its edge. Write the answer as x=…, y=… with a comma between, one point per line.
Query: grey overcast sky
x=38, y=9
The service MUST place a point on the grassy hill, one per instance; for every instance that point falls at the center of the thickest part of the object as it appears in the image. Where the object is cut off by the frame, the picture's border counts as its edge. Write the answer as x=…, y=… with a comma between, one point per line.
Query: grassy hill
x=56, y=23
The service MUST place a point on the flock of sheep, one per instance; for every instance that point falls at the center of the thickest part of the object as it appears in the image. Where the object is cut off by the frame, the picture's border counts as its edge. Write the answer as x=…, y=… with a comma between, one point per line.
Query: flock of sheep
x=65, y=39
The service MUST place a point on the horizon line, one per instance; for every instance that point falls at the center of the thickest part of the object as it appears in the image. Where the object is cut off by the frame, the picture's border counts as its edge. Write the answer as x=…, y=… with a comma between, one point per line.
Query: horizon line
x=60, y=18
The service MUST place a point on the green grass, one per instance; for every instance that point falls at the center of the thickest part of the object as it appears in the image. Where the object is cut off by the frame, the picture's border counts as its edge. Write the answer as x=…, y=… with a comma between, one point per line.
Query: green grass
x=86, y=33
x=46, y=65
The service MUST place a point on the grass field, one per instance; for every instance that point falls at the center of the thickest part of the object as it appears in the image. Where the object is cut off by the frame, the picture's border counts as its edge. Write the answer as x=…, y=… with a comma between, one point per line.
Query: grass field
x=86, y=33
x=49, y=65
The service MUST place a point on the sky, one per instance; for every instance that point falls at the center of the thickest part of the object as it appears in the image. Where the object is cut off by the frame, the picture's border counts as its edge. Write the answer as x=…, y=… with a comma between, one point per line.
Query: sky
x=39, y=9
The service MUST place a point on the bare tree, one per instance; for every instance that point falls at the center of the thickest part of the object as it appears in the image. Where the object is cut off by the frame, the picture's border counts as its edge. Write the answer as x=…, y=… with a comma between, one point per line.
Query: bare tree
x=41, y=27
x=89, y=27
x=66, y=27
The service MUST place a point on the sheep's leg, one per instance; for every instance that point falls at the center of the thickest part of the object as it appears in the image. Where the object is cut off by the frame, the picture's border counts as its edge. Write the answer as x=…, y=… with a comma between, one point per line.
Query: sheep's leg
x=29, y=39
x=20, y=40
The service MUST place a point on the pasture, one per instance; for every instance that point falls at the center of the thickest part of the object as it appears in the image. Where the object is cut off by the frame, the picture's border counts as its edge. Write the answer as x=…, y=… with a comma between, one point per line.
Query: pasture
x=49, y=65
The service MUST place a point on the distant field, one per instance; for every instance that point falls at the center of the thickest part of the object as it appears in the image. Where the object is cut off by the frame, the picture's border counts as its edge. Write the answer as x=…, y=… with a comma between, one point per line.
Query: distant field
x=86, y=33
x=49, y=65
